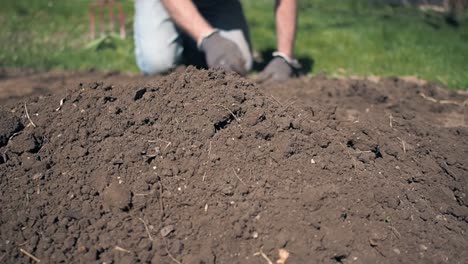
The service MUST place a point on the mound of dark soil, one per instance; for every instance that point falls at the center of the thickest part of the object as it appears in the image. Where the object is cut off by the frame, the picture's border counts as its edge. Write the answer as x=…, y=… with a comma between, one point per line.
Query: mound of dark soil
x=205, y=167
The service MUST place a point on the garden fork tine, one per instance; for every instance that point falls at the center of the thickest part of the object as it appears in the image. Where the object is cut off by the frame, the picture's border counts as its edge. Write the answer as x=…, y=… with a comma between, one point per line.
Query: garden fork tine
x=110, y=5
x=122, y=22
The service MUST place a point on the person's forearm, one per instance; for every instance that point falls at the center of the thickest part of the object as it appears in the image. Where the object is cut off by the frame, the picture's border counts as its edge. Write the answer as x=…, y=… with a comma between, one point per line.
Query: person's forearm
x=286, y=22
x=186, y=16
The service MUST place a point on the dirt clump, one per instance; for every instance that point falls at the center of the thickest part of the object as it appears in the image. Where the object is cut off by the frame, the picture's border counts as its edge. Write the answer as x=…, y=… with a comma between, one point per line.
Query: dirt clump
x=202, y=166
x=9, y=125
x=118, y=196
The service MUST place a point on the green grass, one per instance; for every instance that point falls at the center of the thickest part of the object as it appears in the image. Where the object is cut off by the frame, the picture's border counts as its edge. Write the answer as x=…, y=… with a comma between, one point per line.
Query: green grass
x=54, y=34
x=349, y=37
x=357, y=38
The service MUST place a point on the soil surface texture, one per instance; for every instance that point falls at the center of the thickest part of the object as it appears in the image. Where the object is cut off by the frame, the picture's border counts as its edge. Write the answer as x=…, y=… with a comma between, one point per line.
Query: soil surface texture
x=203, y=166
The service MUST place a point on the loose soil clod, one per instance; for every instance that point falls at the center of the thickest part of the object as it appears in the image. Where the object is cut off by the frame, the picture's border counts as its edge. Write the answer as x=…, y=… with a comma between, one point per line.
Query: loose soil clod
x=220, y=169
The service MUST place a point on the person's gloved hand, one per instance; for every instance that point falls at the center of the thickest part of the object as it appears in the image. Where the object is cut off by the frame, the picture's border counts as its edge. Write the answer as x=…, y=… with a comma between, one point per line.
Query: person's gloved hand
x=280, y=68
x=222, y=52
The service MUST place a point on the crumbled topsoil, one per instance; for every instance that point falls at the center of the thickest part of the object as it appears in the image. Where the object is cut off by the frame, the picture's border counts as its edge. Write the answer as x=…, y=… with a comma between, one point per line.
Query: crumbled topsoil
x=206, y=167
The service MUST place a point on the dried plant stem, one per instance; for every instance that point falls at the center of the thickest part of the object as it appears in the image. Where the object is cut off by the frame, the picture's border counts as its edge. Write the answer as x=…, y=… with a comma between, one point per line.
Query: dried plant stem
x=27, y=115
x=169, y=253
x=147, y=229
x=30, y=255
x=237, y=176
x=260, y=253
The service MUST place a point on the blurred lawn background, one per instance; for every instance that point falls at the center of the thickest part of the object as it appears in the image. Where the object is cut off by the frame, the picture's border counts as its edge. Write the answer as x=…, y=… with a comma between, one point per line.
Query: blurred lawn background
x=341, y=37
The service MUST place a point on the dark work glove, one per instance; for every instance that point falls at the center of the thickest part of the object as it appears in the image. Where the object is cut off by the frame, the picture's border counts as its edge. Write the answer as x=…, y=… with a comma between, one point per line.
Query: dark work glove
x=279, y=69
x=224, y=53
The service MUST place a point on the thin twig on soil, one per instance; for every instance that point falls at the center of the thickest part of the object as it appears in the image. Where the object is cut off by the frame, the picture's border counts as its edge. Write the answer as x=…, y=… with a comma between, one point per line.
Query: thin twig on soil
x=141, y=194
x=379, y=251
x=12, y=136
x=146, y=228
x=122, y=249
x=60, y=106
x=391, y=119
x=260, y=253
x=274, y=99
x=362, y=151
x=29, y=255
x=164, y=141
x=169, y=253
x=286, y=107
x=403, y=144
x=27, y=115
x=22, y=244
x=428, y=98
x=443, y=101
x=397, y=234
x=448, y=171
x=204, y=176
x=237, y=176
x=235, y=117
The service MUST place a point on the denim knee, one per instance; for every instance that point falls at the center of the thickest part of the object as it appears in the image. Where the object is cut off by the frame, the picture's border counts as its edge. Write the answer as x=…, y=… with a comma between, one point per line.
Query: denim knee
x=156, y=61
x=158, y=45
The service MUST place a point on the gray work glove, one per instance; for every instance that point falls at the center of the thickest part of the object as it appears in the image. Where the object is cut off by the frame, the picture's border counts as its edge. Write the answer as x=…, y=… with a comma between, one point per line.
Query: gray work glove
x=222, y=52
x=280, y=68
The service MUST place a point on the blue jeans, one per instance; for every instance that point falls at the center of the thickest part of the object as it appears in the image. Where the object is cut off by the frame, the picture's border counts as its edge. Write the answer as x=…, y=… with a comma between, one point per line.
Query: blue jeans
x=160, y=45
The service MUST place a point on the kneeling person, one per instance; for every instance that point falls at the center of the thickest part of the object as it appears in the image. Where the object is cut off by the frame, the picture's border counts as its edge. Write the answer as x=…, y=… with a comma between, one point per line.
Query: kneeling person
x=208, y=33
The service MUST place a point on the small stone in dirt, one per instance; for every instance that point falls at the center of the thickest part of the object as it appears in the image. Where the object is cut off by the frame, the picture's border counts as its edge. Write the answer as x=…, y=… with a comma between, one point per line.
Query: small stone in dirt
x=228, y=190
x=9, y=125
x=25, y=142
x=37, y=176
x=151, y=178
x=73, y=214
x=118, y=196
x=165, y=231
